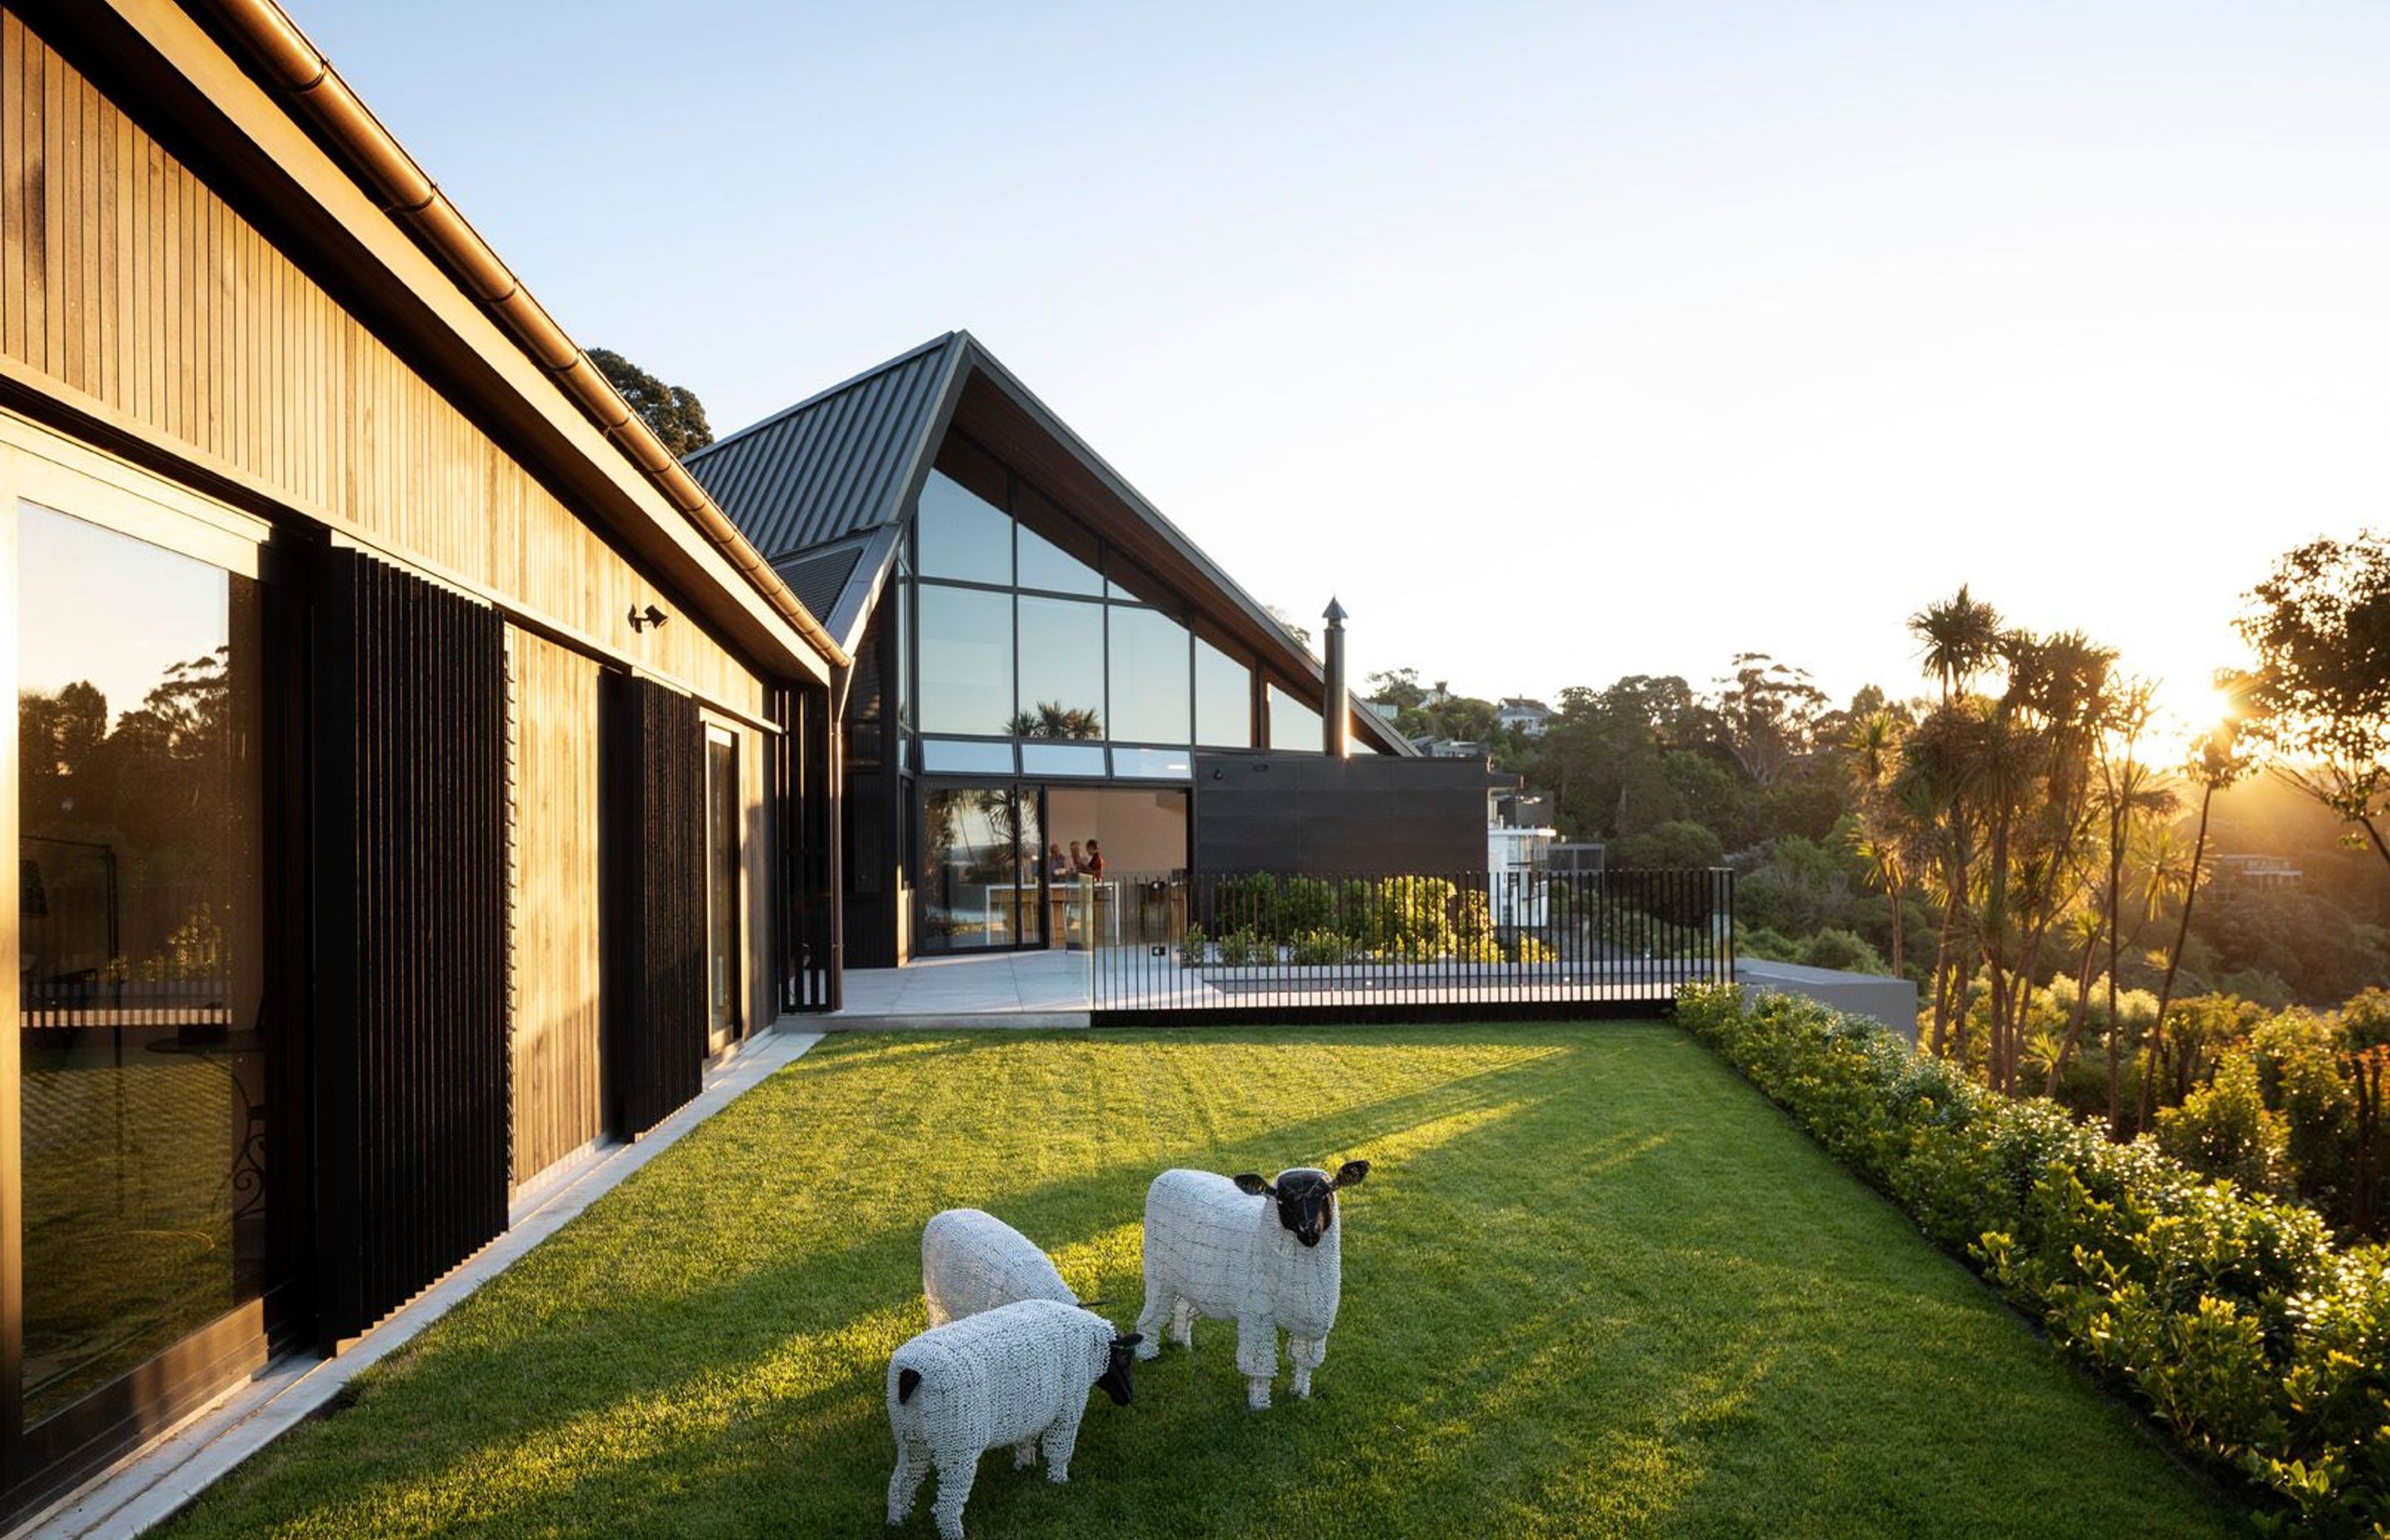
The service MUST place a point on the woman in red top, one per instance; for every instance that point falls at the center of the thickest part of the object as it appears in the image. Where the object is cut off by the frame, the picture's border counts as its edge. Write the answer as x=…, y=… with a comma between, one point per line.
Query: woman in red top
x=1095, y=866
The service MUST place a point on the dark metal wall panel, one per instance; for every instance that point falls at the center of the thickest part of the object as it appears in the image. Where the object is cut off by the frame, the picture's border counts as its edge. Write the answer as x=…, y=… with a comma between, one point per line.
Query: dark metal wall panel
x=410, y=1051
x=655, y=829
x=834, y=464
x=1370, y=816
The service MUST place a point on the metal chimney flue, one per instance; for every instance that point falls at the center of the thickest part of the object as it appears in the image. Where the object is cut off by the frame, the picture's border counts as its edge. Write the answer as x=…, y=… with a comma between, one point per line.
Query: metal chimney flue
x=1336, y=705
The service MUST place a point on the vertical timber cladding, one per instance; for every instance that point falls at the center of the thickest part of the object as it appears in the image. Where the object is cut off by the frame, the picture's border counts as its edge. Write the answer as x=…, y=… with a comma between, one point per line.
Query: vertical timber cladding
x=655, y=945
x=559, y=1102
x=410, y=1053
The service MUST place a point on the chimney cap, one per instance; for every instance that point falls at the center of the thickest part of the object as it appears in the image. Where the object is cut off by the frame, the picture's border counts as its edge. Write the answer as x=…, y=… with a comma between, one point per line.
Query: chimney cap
x=1334, y=613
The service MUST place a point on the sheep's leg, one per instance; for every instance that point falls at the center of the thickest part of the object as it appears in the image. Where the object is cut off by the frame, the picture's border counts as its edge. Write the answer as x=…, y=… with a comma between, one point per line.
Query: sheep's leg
x=1306, y=1354
x=912, y=1469
x=1158, y=1297
x=956, y=1473
x=1024, y=1454
x=1182, y=1324
x=1257, y=1358
x=1061, y=1439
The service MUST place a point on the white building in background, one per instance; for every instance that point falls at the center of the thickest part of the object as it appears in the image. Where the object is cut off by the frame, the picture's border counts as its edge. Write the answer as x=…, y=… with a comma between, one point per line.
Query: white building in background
x=1529, y=715
x=1514, y=863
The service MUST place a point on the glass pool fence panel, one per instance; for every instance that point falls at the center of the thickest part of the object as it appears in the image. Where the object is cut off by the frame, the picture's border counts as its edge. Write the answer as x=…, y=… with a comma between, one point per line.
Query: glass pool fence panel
x=1381, y=944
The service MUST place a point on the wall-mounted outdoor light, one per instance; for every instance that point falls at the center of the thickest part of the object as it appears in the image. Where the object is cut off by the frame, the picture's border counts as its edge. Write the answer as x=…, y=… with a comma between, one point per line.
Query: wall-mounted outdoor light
x=653, y=619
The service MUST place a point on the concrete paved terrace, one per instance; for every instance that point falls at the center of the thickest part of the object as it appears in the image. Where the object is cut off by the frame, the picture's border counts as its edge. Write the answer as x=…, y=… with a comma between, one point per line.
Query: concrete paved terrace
x=1005, y=989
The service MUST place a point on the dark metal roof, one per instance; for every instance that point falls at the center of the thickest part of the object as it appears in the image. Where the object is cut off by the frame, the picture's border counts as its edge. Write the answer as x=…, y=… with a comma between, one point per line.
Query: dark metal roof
x=818, y=579
x=834, y=464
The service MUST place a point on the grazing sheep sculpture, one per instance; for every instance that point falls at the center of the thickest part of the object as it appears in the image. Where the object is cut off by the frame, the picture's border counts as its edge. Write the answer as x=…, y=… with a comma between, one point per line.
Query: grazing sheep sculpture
x=972, y=1261
x=1018, y=1374
x=1263, y=1254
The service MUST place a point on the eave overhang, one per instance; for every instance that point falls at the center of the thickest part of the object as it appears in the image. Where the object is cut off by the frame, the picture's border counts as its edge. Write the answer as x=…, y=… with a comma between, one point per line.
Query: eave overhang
x=238, y=78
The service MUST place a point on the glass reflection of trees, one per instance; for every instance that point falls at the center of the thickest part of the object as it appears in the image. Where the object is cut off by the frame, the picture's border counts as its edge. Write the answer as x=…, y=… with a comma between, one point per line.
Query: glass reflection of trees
x=142, y=1091
x=1054, y=720
x=974, y=841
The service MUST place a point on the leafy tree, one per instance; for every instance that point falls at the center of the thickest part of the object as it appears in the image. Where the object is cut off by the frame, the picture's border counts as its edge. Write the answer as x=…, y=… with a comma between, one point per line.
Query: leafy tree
x=2320, y=701
x=1767, y=716
x=1399, y=688
x=672, y=412
x=1294, y=628
x=2226, y=1129
x=1669, y=847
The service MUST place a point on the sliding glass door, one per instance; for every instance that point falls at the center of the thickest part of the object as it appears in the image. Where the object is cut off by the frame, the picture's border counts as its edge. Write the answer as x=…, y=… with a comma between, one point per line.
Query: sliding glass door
x=981, y=879
x=144, y=1054
x=722, y=907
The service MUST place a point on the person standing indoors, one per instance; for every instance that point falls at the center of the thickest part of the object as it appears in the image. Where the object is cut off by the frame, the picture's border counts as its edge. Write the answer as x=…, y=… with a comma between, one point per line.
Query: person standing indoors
x=1095, y=866
x=1078, y=862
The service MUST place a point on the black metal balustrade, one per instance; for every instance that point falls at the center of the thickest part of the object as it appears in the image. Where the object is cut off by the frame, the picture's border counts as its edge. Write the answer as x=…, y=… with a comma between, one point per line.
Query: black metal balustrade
x=1445, y=945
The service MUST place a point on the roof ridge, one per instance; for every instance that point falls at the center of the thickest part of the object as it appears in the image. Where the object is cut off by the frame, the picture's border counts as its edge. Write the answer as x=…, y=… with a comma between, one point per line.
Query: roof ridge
x=943, y=340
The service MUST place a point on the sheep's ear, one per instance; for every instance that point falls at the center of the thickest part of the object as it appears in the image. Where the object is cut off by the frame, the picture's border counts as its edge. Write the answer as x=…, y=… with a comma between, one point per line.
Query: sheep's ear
x=1351, y=1174
x=1128, y=1341
x=1253, y=1185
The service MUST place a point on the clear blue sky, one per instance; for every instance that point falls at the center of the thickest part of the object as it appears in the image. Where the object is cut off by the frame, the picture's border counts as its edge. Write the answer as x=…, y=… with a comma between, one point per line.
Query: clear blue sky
x=1561, y=341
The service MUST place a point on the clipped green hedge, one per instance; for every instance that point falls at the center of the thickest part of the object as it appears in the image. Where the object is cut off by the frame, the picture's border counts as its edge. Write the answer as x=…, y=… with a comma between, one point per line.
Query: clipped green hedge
x=2233, y=1320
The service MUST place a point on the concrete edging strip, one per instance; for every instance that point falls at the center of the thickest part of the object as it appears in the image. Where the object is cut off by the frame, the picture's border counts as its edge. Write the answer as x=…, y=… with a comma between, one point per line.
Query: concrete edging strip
x=158, y=1480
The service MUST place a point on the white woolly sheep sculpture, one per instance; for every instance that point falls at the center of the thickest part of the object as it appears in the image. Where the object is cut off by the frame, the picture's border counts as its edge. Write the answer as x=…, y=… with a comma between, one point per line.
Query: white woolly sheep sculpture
x=1018, y=1374
x=1264, y=1255
x=972, y=1261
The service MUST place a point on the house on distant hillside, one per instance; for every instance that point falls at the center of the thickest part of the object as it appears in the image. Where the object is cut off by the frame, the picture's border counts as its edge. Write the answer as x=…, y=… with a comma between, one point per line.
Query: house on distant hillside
x=2258, y=871
x=1528, y=715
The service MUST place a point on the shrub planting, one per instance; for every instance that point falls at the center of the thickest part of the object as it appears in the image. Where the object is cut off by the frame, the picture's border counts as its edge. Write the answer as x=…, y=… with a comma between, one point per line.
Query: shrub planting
x=2233, y=1318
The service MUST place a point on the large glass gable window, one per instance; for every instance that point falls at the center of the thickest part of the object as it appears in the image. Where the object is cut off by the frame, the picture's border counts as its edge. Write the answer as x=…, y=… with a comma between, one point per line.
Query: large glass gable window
x=1027, y=626
x=1062, y=669
x=1224, y=699
x=963, y=530
x=1055, y=553
x=1149, y=677
x=1293, y=726
x=966, y=661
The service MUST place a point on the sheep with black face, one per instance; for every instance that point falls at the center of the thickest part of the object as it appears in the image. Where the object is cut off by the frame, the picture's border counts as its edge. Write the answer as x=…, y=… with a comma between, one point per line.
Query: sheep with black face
x=1016, y=1375
x=1264, y=1254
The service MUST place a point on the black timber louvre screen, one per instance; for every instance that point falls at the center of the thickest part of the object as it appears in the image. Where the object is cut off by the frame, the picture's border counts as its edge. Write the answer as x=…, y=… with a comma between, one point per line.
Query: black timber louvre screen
x=655, y=759
x=410, y=1051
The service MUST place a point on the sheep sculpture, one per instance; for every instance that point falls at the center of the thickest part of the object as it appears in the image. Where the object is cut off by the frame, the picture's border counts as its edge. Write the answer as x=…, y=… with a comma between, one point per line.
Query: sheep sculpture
x=1264, y=1255
x=972, y=1261
x=1016, y=1375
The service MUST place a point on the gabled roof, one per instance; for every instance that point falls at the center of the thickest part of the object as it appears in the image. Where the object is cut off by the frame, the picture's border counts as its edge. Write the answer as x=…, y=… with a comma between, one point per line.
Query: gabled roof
x=822, y=490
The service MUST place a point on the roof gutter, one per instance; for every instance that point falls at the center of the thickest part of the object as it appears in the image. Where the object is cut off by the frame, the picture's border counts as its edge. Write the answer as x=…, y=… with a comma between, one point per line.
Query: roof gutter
x=413, y=200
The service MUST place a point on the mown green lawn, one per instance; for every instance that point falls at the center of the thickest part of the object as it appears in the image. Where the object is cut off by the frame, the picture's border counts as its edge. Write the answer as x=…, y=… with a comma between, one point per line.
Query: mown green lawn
x=1594, y=1286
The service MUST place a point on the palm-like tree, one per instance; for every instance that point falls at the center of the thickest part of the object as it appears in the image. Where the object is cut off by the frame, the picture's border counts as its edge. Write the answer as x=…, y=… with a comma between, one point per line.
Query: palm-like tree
x=1885, y=830
x=1959, y=638
x=2129, y=791
x=1939, y=765
x=2216, y=760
